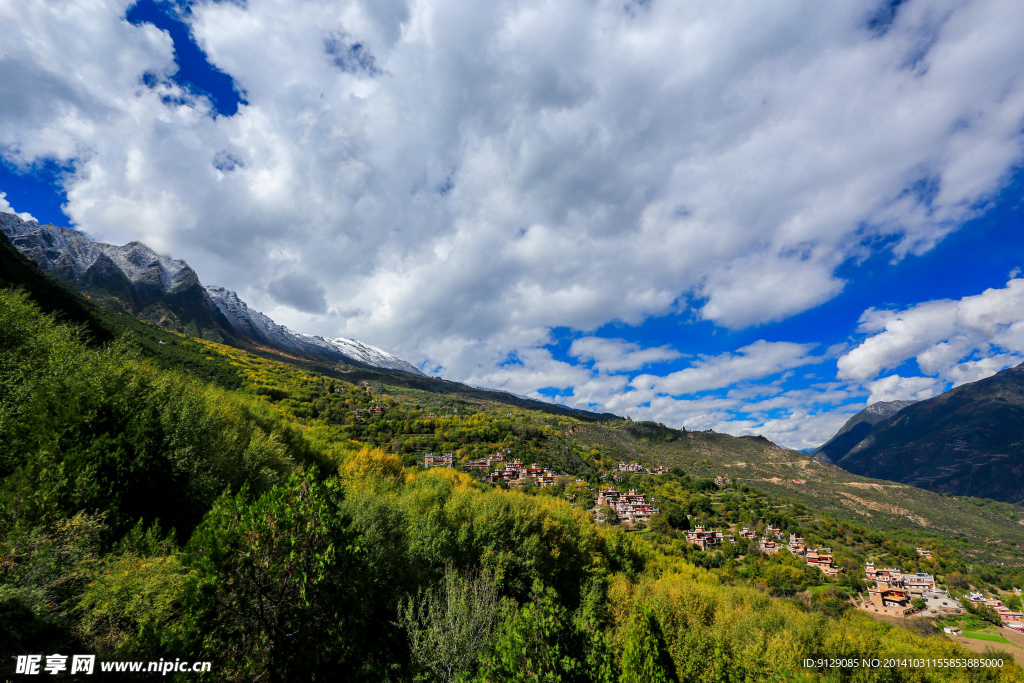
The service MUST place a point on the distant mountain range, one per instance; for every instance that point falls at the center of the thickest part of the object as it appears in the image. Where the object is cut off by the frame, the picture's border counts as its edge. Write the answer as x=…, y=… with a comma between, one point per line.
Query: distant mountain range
x=968, y=441
x=101, y=324
x=136, y=280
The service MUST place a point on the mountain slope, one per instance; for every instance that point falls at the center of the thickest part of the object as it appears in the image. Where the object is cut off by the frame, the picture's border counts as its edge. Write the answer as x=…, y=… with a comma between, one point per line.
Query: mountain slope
x=50, y=295
x=886, y=506
x=253, y=325
x=752, y=460
x=967, y=441
x=855, y=429
x=134, y=279
x=171, y=351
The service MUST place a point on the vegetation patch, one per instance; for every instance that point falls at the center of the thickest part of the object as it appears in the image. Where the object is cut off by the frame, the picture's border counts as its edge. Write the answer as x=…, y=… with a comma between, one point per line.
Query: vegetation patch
x=986, y=636
x=192, y=500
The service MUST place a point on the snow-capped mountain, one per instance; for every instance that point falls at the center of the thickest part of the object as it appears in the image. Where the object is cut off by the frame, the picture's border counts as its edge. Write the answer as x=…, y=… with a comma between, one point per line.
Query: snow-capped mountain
x=254, y=324
x=167, y=291
x=70, y=255
x=884, y=409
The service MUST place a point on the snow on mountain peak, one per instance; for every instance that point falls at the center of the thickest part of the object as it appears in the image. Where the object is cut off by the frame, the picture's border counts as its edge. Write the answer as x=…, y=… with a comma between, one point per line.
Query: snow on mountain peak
x=68, y=254
x=54, y=247
x=888, y=408
x=371, y=355
x=251, y=322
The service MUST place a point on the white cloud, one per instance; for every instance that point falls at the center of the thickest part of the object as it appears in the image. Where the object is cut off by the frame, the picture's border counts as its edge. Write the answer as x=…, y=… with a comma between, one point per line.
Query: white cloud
x=754, y=391
x=490, y=171
x=754, y=361
x=896, y=388
x=5, y=207
x=533, y=369
x=762, y=289
x=615, y=355
x=791, y=424
x=958, y=341
x=801, y=399
x=794, y=418
x=485, y=172
x=802, y=429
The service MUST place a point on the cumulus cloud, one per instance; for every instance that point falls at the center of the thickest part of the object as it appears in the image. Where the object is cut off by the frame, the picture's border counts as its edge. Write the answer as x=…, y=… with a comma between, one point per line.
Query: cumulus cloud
x=896, y=388
x=615, y=355
x=802, y=429
x=806, y=420
x=454, y=173
x=5, y=207
x=753, y=361
x=763, y=289
x=738, y=393
x=956, y=340
x=531, y=369
x=458, y=179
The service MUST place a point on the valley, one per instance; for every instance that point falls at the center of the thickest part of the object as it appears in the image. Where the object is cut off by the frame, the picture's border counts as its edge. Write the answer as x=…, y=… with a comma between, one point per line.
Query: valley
x=154, y=485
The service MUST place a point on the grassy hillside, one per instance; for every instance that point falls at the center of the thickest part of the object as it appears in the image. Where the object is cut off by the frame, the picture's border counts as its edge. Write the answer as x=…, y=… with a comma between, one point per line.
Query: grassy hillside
x=585, y=445
x=265, y=516
x=472, y=424
x=994, y=535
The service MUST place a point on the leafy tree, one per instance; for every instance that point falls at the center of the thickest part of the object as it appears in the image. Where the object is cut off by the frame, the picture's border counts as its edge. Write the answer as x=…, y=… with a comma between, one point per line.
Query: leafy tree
x=373, y=462
x=659, y=523
x=276, y=588
x=580, y=495
x=449, y=624
x=676, y=516
x=645, y=658
x=534, y=643
x=622, y=555
x=703, y=504
x=101, y=430
x=607, y=515
x=784, y=579
x=131, y=606
x=957, y=580
x=43, y=571
x=833, y=601
x=918, y=604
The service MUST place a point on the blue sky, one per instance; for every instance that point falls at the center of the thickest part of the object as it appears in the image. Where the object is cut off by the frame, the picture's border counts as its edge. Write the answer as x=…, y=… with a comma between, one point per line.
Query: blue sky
x=733, y=217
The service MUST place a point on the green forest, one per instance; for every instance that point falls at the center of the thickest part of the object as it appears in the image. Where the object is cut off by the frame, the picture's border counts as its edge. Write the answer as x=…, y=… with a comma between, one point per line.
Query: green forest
x=163, y=497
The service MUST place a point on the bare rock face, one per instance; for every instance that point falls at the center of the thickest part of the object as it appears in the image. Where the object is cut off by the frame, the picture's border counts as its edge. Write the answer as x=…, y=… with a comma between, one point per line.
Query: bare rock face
x=136, y=280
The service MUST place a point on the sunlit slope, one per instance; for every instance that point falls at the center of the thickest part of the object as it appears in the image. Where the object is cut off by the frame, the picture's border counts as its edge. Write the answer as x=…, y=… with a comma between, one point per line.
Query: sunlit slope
x=760, y=463
x=583, y=444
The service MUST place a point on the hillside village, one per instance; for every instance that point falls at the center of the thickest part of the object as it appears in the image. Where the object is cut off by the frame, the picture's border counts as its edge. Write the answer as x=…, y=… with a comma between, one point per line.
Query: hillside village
x=888, y=591
x=665, y=520
x=633, y=509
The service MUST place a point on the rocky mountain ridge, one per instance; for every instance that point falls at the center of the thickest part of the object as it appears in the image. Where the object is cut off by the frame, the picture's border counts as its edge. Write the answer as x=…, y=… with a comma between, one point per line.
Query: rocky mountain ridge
x=255, y=324
x=136, y=280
